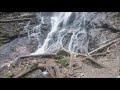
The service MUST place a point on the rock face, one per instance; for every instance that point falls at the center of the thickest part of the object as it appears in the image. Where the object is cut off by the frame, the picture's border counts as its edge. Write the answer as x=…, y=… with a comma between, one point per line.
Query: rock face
x=14, y=49
x=12, y=30
x=13, y=38
x=9, y=31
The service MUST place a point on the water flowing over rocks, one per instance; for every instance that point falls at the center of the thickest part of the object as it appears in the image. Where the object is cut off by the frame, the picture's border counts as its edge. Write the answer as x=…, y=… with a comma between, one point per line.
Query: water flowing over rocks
x=73, y=30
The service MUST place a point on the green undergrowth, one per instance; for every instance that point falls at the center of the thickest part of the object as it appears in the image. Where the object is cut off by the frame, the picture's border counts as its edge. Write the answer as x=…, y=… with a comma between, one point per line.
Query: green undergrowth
x=62, y=60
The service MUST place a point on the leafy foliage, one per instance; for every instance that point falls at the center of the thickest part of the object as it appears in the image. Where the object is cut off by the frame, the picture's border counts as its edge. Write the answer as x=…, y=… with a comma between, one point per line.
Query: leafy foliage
x=62, y=60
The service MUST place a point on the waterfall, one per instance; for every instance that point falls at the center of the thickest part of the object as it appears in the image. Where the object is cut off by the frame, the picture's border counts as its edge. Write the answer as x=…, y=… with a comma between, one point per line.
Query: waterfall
x=66, y=29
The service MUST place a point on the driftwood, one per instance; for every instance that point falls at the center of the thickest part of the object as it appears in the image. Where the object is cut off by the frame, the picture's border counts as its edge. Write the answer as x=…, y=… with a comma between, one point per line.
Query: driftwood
x=101, y=54
x=47, y=55
x=39, y=55
x=93, y=60
x=52, y=55
x=24, y=72
x=104, y=45
x=84, y=55
x=101, y=47
x=14, y=20
x=17, y=60
x=90, y=54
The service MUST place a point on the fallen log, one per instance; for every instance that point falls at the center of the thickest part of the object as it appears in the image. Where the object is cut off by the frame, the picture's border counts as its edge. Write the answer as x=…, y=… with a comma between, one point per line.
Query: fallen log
x=47, y=55
x=101, y=47
x=18, y=59
x=39, y=55
x=93, y=60
x=104, y=45
x=101, y=54
x=24, y=72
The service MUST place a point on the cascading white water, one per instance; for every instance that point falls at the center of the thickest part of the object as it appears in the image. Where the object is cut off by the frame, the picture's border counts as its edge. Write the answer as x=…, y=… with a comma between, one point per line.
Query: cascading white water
x=55, y=21
x=68, y=29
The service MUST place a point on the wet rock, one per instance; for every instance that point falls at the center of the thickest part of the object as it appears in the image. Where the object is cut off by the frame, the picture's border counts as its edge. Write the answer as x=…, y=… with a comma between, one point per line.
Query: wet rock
x=16, y=48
